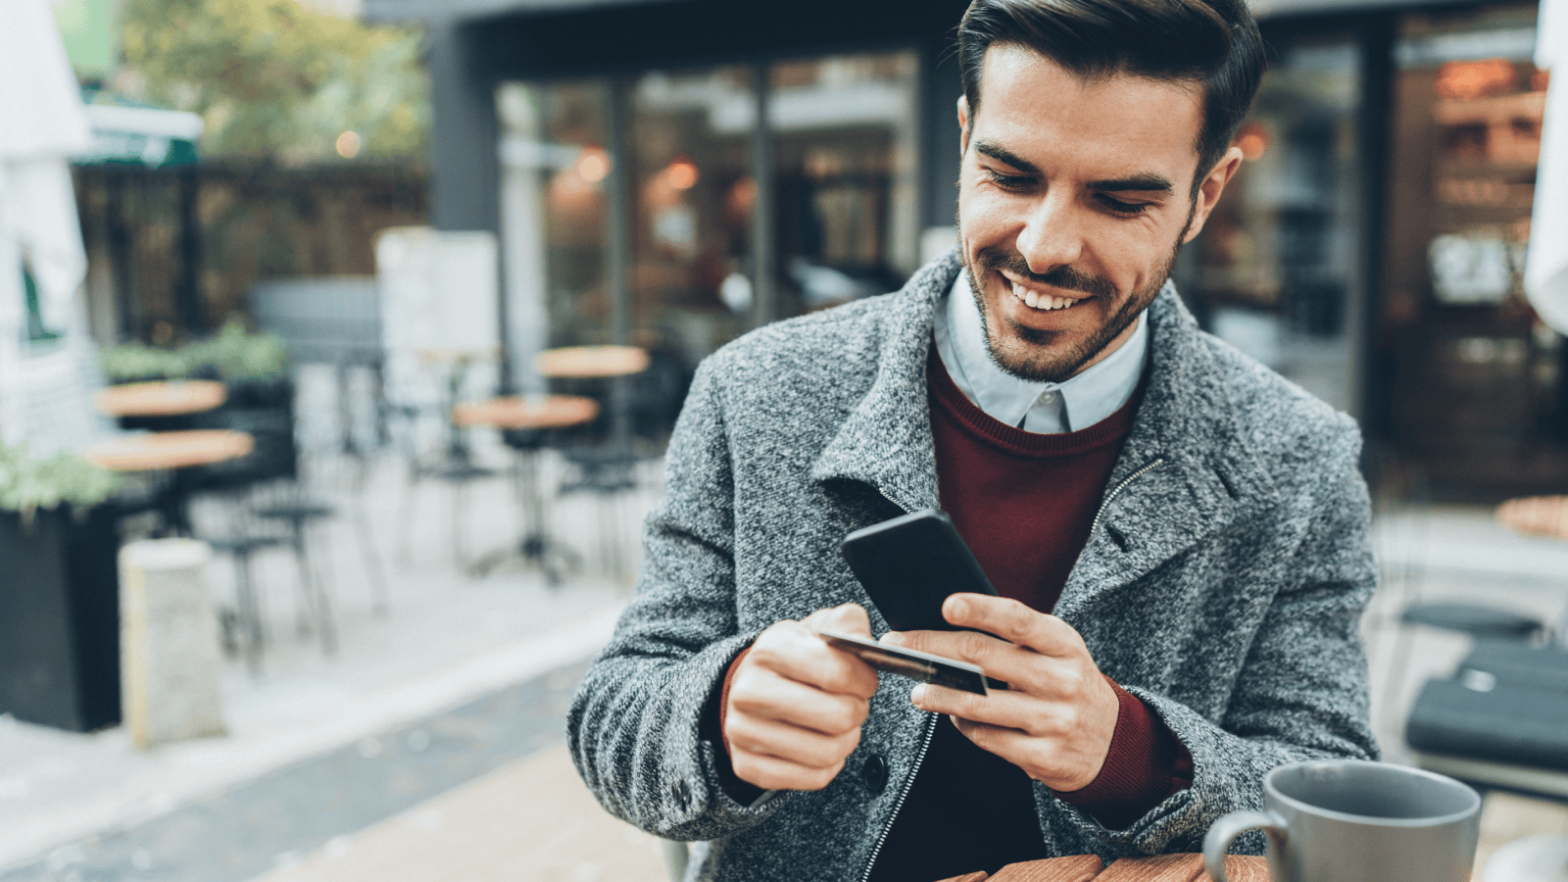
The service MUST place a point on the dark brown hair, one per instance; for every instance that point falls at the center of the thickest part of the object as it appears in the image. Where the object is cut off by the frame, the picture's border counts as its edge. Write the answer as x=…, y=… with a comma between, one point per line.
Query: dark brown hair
x=1212, y=43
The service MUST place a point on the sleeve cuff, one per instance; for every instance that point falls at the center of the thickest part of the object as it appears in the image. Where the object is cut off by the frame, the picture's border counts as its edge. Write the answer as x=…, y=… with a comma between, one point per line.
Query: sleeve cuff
x=743, y=792
x=1145, y=766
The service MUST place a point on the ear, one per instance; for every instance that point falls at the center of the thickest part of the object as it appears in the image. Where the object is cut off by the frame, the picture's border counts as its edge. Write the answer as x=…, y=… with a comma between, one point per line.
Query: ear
x=1209, y=191
x=963, y=124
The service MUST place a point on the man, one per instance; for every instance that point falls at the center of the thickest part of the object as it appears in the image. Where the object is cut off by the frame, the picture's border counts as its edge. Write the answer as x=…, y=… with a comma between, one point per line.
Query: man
x=1179, y=536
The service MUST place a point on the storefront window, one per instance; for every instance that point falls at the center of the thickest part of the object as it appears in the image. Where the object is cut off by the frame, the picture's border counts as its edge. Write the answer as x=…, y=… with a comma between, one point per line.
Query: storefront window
x=838, y=191
x=844, y=132
x=1276, y=271
x=554, y=215
x=1475, y=382
x=693, y=192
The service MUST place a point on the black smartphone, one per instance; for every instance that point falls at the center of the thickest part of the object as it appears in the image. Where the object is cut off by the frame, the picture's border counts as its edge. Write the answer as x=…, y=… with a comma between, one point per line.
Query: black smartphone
x=910, y=564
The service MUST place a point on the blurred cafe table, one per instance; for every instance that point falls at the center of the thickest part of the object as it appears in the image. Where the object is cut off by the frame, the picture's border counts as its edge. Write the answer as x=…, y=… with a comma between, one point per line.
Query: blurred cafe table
x=163, y=399
x=167, y=452
x=591, y=362
x=526, y=419
x=1088, y=868
x=1536, y=515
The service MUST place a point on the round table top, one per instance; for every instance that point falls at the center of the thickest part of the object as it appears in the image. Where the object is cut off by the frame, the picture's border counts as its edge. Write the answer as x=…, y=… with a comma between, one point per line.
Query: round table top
x=579, y=362
x=541, y=412
x=1537, y=515
x=167, y=398
x=169, y=450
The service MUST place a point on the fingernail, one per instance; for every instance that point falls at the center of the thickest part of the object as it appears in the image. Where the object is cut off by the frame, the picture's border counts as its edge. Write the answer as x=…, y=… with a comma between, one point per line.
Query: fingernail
x=918, y=694
x=958, y=608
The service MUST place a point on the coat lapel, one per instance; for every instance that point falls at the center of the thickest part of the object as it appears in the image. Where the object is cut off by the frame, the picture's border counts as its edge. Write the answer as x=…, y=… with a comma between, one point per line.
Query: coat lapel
x=886, y=440
x=1203, y=475
x=1184, y=474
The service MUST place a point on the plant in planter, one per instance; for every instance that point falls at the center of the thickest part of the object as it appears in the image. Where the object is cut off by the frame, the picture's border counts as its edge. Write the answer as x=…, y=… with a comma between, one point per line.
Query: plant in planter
x=137, y=363
x=59, y=592
x=254, y=366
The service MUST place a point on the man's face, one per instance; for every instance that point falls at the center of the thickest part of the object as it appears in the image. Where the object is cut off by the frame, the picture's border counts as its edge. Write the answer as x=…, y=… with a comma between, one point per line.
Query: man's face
x=1074, y=198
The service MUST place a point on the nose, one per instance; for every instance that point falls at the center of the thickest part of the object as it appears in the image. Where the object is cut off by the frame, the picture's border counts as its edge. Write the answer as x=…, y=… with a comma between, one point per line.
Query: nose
x=1051, y=236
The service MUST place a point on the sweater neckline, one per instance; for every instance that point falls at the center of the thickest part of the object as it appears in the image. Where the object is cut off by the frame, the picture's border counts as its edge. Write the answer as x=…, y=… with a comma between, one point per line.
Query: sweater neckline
x=1015, y=441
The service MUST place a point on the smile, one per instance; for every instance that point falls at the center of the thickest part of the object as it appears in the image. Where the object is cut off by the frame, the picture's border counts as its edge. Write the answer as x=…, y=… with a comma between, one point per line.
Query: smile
x=1041, y=301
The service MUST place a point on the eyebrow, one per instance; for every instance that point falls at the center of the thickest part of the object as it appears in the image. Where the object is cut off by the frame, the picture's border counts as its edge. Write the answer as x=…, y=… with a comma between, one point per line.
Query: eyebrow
x=1139, y=183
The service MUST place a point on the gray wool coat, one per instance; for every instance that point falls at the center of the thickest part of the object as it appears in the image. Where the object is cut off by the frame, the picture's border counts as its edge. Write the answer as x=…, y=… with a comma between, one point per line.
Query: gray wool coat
x=1222, y=584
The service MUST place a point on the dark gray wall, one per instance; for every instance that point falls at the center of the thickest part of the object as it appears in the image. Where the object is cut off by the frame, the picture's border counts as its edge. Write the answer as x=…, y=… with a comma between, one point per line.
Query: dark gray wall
x=465, y=176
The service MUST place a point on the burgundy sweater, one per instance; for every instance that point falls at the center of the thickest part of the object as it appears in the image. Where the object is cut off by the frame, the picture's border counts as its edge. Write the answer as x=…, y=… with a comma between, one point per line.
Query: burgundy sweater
x=1024, y=503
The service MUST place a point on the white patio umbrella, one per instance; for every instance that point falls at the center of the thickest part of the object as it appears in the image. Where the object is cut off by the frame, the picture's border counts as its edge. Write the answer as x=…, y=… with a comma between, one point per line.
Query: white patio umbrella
x=1546, y=266
x=43, y=123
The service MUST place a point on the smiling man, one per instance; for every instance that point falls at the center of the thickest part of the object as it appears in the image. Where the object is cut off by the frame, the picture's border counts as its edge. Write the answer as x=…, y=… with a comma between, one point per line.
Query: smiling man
x=1178, y=535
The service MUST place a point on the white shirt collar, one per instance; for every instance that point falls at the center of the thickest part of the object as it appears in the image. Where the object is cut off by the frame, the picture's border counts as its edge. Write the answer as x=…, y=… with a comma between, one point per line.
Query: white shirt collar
x=1074, y=404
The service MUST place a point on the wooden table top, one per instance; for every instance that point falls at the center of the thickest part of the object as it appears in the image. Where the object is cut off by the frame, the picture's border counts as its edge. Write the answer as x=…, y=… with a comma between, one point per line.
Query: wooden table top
x=1087, y=868
x=169, y=450
x=580, y=362
x=547, y=412
x=1536, y=515
x=169, y=398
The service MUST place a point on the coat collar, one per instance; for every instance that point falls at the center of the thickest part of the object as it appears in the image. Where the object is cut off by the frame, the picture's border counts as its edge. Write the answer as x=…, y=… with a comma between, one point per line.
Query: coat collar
x=1206, y=473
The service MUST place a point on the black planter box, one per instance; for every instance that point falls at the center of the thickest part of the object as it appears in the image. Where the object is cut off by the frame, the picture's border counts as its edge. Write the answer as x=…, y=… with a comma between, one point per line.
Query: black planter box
x=60, y=618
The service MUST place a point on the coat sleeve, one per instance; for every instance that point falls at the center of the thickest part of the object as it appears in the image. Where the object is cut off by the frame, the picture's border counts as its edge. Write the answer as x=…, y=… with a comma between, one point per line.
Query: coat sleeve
x=1302, y=692
x=634, y=728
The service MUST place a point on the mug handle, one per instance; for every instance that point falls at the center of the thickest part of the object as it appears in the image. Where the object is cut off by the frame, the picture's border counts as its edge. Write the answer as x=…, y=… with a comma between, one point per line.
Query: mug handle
x=1226, y=829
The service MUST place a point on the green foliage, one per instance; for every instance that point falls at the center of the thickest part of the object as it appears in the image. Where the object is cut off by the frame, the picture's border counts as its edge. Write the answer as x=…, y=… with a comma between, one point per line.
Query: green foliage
x=234, y=354
x=134, y=361
x=27, y=484
x=276, y=78
x=237, y=354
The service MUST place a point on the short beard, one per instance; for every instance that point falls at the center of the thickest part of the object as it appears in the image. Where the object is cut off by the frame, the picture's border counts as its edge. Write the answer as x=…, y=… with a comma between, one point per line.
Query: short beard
x=1034, y=361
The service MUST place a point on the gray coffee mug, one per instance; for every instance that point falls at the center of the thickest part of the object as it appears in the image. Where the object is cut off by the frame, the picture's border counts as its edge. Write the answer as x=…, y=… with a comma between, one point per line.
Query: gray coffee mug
x=1357, y=821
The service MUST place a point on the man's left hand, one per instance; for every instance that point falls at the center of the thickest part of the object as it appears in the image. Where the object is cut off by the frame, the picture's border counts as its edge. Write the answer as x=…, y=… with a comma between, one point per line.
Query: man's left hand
x=1058, y=716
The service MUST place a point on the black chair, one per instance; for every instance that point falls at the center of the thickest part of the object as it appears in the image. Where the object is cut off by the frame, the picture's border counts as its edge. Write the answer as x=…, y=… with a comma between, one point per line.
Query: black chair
x=1500, y=722
x=267, y=509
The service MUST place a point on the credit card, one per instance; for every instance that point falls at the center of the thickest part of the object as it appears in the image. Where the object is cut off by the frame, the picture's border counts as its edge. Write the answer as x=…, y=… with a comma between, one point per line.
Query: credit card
x=923, y=666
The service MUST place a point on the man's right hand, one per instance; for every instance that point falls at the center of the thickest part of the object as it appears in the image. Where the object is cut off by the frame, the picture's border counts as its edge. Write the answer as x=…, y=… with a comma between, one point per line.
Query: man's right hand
x=796, y=704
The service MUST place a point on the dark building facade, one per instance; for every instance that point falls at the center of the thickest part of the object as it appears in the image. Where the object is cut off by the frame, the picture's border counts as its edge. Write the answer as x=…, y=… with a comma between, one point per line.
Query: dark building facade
x=674, y=172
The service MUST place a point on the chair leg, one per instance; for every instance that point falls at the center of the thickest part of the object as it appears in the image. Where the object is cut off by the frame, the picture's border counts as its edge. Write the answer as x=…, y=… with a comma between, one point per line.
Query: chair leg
x=315, y=606
x=249, y=625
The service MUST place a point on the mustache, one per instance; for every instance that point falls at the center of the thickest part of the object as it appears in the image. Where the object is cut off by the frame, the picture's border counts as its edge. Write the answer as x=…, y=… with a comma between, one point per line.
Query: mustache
x=1064, y=277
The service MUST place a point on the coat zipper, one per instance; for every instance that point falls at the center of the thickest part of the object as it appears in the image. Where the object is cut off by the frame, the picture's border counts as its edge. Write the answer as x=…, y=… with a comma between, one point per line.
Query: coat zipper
x=909, y=784
x=1119, y=488
x=925, y=743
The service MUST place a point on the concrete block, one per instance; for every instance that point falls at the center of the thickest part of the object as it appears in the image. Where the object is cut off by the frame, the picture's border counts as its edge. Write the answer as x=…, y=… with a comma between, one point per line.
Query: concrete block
x=171, y=661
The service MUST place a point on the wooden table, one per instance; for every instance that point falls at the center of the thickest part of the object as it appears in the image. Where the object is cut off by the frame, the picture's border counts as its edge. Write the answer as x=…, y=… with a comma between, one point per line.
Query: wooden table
x=1536, y=515
x=591, y=362
x=1087, y=868
x=534, y=414
x=169, y=450
x=166, y=452
x=543, y=412
x=163, y=399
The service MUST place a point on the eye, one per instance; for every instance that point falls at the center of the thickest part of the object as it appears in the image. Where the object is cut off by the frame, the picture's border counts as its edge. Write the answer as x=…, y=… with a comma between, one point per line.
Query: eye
x=1122, y=209
x=1010, y=182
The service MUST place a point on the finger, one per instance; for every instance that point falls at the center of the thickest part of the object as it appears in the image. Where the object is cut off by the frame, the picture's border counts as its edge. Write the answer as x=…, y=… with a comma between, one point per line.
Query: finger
x=1009, y=709
x=802, y=747
x=1048, y=761
x=849, y=618
x=794, y=651
x=1020, y=668
x=1012, y=621
x=766, y=694
x=772, y=773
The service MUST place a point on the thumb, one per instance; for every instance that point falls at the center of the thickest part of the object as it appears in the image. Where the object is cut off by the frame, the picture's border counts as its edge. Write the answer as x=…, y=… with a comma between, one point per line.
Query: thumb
x=851, y=618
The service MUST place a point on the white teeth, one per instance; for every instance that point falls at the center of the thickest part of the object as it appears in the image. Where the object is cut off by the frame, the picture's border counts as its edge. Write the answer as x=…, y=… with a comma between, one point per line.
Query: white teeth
x=1041, y=301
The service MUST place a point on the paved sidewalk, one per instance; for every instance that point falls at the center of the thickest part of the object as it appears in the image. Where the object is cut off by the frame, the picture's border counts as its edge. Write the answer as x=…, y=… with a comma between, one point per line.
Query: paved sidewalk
x=532, y=819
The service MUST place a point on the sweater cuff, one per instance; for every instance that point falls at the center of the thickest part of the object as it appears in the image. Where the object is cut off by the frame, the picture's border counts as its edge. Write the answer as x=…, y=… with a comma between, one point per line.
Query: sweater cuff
x=1145, y=766
x=742, y=792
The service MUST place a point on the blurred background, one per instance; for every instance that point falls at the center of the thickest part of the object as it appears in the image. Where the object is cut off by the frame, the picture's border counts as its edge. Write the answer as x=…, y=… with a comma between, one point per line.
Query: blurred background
x=389, y=306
